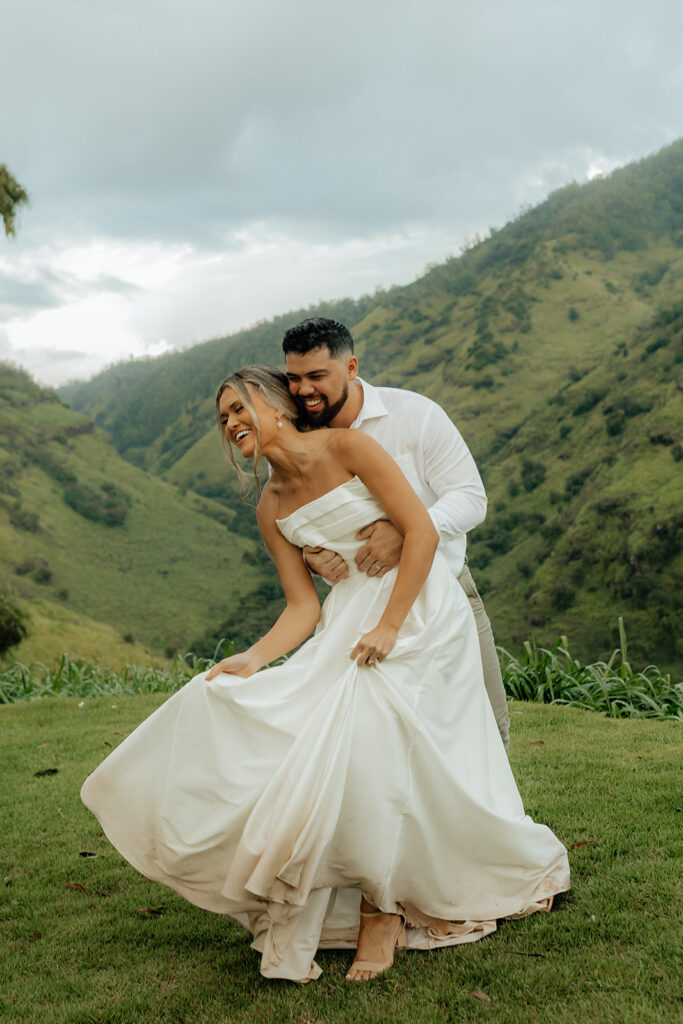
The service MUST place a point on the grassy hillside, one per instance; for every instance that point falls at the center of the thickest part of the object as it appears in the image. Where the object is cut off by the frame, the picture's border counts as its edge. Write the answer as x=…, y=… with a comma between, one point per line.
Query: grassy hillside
x=155, y=408
x=555, y=345
x=110, y=561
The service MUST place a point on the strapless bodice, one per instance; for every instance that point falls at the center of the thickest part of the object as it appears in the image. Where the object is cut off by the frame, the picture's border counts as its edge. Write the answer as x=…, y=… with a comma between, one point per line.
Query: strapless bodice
x=333, y=520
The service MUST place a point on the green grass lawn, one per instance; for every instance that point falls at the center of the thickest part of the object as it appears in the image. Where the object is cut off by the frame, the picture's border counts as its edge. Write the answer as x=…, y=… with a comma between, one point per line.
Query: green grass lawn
x=86, y=939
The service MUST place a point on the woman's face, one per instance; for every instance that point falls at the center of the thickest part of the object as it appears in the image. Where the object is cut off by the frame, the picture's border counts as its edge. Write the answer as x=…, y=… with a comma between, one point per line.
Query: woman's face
x=237, y=423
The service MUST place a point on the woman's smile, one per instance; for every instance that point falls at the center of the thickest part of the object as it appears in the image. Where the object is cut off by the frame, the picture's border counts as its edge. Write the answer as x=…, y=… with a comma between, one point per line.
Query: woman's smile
x=236, y=422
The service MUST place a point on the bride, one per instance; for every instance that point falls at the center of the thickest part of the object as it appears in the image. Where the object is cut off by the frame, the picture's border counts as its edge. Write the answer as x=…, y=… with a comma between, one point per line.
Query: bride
x=358, y=795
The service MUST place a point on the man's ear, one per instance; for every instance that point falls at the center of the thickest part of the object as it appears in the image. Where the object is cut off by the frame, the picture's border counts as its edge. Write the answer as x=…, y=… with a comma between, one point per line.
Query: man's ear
x=352, y=367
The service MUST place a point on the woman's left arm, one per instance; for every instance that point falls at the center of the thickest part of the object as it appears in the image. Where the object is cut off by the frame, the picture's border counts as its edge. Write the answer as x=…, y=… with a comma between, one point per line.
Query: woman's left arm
x=301, y=612
x=367, y=459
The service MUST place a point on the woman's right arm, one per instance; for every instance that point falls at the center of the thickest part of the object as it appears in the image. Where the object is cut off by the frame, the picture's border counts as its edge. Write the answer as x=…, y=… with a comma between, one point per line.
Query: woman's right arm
x=303, y=607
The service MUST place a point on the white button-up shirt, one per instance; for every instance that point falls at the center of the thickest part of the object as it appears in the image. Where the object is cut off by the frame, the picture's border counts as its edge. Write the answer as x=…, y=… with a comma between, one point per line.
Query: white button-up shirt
x=434, y=458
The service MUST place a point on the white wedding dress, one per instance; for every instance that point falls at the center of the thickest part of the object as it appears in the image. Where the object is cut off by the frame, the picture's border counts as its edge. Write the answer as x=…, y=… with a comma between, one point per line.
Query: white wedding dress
x=279, y=799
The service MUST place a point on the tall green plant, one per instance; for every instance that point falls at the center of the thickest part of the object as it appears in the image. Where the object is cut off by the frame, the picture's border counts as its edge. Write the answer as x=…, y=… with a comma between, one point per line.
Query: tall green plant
x=612, y=687
x=74, y=677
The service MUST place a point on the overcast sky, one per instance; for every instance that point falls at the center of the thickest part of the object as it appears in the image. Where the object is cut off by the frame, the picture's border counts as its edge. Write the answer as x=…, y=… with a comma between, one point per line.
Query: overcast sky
x=196, y=167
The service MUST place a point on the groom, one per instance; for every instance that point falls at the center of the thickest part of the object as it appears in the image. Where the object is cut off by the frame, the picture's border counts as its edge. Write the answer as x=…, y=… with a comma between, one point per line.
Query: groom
x=323, y=378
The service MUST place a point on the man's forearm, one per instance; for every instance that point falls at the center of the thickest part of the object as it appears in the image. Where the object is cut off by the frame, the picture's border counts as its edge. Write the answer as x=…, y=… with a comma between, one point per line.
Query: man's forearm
x=457, y=512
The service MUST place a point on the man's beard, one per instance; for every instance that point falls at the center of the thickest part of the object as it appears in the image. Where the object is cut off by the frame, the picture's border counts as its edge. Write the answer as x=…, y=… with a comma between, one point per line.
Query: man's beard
x=326, y=414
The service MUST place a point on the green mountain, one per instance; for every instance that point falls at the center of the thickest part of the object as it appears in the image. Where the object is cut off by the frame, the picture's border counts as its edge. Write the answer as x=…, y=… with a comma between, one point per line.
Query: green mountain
x=111, y=562
x=555, y=345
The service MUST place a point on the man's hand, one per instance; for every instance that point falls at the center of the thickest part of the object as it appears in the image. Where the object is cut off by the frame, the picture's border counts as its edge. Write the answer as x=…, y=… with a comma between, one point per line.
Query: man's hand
x=383, y=549
x=327, y=564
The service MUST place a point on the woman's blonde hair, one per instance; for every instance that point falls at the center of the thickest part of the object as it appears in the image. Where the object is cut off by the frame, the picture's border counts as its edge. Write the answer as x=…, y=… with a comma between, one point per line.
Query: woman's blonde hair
x=273, y=387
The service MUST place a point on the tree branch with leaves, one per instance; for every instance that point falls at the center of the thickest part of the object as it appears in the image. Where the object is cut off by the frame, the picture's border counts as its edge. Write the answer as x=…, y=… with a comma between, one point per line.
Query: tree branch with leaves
x=12, y=196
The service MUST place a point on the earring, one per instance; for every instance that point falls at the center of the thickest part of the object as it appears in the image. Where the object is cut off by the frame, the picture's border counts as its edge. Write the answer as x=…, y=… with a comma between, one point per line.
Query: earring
x=279, y=423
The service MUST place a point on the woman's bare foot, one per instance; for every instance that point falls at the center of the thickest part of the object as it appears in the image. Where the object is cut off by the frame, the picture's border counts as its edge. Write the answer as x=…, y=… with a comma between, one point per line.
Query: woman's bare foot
x=378, y=936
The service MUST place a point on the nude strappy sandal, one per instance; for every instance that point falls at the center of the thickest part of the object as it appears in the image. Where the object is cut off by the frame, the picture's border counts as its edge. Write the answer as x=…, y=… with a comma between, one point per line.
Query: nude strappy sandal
x=395, y=936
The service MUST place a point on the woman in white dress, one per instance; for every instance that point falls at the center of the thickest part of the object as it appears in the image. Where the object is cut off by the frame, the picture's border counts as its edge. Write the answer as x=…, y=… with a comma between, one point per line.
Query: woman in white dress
x=358, y=795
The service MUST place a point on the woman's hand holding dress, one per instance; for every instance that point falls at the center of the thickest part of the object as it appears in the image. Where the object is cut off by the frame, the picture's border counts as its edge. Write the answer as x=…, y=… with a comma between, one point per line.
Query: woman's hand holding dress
x=244, y=664
x=375, y=645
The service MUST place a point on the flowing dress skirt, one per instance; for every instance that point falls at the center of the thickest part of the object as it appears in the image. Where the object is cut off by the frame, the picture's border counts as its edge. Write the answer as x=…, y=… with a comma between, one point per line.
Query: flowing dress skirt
x=279, y=799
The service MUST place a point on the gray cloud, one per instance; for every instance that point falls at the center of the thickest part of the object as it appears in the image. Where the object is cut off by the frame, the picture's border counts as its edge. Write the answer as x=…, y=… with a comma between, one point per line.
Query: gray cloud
x=38, y=287
x=176, y=121
x=48, y=365
x=17, y=295
x=292, y=152
x=40, y=357
x=49, y=355
x=109, y=283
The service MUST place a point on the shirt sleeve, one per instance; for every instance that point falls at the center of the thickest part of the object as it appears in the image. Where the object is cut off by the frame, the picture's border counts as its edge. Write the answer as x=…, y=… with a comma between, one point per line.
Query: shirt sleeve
x=451, y=473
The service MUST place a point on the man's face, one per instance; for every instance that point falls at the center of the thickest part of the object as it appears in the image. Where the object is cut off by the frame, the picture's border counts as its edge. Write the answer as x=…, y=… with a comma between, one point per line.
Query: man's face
x=319, y=383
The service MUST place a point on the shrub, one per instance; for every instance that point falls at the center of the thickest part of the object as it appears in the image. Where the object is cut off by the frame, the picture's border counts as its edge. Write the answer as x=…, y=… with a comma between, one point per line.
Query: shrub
x=108, y=506
x=416, y=316
x=615, y=423
x=573, y=313
x=485, y=350
x=24, y=520
x=650, y=278
x=84, y=501
x=552, y=531
x=533, y=474
x=14, y=622
x=622, y=409
x=631, y=406
x=661, y=437
x=36, y=568
x=588, y=401
x=661, y=342
x=43, y=574
x=562, y=597
x=575, y=482
x=665, y=541
x=45, y=460
x=7, y=488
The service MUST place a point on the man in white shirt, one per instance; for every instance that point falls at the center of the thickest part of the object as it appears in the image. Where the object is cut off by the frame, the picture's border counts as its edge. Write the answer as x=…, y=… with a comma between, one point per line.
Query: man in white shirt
x=323, y=378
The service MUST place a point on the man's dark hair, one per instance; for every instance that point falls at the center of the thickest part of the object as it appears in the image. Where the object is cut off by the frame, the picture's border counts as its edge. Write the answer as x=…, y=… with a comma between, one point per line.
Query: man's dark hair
x=316, y=332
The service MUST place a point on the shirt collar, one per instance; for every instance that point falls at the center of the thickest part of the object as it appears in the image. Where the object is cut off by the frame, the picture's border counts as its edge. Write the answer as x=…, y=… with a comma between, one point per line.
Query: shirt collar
x=373, y=407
